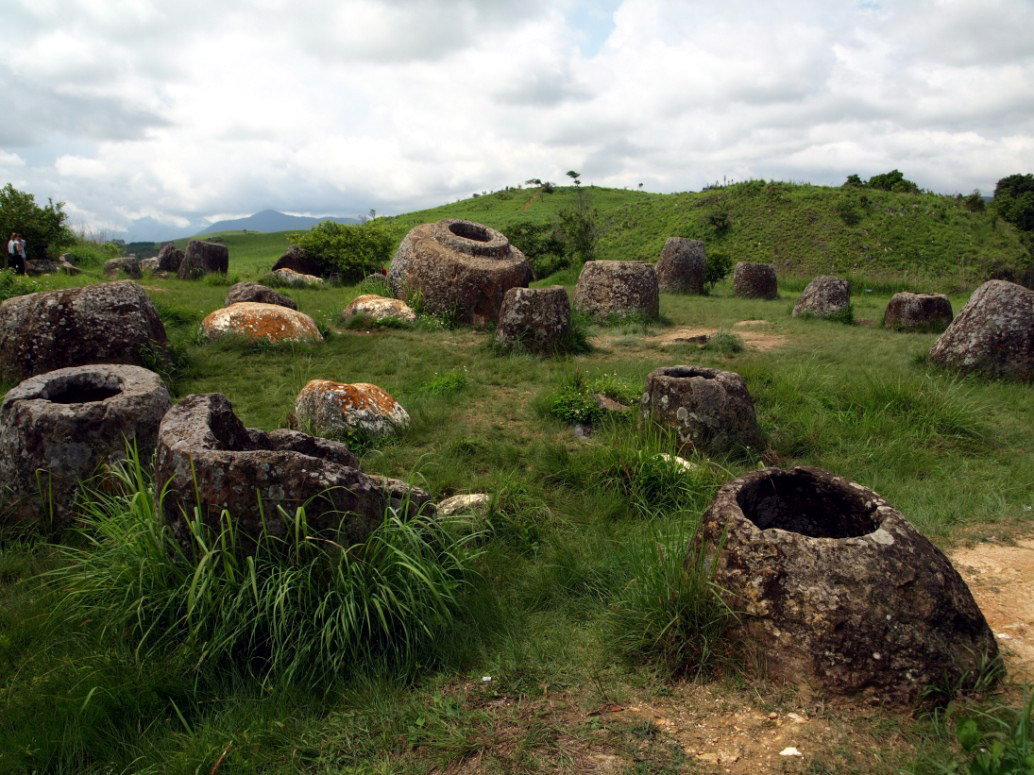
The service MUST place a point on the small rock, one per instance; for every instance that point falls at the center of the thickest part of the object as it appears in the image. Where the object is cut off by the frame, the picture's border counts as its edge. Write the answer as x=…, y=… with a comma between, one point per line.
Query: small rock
x=473, y=503
x=257, y=293
x=379, y=308
x=791, y=751
x=338, y=408
x=682, y=463
x=609, y=404
x=296, y=279
x=261, y=321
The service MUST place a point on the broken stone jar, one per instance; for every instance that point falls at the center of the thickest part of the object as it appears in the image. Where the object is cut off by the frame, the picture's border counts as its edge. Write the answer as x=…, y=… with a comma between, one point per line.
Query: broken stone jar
x=833, y=587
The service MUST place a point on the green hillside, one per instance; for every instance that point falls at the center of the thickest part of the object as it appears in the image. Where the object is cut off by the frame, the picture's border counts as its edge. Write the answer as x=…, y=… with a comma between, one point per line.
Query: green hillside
x=803, y=229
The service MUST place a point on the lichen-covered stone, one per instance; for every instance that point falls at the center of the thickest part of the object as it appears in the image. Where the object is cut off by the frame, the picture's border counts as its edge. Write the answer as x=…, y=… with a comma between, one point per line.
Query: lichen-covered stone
x=754, y=281
x=298, y=260
x=253, y=320
x=538, y=319
x=711, y=410
x=60, y=427
x=825, y=297
x=257, y=293
x=682, y=267
x=207, y=459
x=149, y=264
x=203, y=258
x=336, y=408
x=128, y=266
x=103, y=323
x=833, y=587
x=170, y=258
x=296, y=279
x=476, y=503
x=377, y=307
x=918, y=312
x=459, y=269
x=617, y=289
x=993, y=334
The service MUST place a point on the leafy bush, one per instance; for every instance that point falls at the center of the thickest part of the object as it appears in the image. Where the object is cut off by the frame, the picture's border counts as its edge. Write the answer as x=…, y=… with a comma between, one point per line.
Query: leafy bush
x=716, y=269
x=43, y=228
x=12, y=284
x=996, y=742
x=720, y=223
x=301, y=609
x=349, y=250
x=542, y=244
x=848, y=211
x=893, y=181
x=580, y=229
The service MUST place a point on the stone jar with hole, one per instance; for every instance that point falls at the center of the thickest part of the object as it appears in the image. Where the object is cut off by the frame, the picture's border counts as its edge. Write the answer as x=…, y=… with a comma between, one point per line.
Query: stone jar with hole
x=103, y=323
x=754, y=281
x=457, y=269
x=537, y=319
x=617, y=289
x=682, y=267
x=833, y=587
x=710, y=410
x=58, y=428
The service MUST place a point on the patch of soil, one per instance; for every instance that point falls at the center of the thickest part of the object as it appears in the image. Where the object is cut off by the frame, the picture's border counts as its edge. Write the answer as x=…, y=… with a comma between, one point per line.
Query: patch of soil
x=1001, y=578
x=753, y=324
x=756, y=340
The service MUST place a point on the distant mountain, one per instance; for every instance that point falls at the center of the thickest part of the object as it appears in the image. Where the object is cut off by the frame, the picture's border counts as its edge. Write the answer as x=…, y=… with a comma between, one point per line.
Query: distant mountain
x=271, y=220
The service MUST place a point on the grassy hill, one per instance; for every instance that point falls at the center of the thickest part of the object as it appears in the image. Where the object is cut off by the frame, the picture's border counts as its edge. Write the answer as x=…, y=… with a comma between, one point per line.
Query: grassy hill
x=803, y=229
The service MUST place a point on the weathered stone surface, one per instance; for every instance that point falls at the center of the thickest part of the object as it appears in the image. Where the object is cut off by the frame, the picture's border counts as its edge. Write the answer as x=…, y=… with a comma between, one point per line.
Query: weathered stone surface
x=66, y=265
x=170, y=258
x=538, y=319
x=257, y=293
x=296, y=259
x=825, y=297
x=203, y=258
x=609, y=289
x=458, y=268
x=36, y=266
x=129, y=266
x=402, y=497
x=755, y=281
x=833, y=587
x=682, y=267
x=918, y=312
x=253, y=320
x=710, y=410
x=60, y=427
x=379, y=308
x=993, y=334
x=103, y=323
x=296, y=279
x=336, y=408
x=476, y=503
x=149, y=264
x=210, y=460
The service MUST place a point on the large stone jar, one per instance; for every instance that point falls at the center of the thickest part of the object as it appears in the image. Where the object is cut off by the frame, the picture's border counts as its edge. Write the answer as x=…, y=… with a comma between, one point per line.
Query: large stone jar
x=710, y=410
x=617, y=289
x=682, y=267
x=58, y=428
x=825, y=297
x=538, y=319
x=458, y=269
x=754, y=281
x=203, y=258
x=918, y=312
x=833, y=587
x=103, y=323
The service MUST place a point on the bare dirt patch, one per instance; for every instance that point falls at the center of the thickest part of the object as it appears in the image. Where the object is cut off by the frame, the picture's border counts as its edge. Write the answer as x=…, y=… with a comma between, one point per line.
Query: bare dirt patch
x=1001, y=578
x=756, y=340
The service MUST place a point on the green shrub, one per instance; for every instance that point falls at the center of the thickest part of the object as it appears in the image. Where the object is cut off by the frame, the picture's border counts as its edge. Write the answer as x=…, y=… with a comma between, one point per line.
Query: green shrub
x=301, y=609
x=724, y=343
x=716, y=269
x=43, y=228
x=542, y=244
x=350, y=250
x=86, y=254
x=12, y=284
x=446, y=384
x=994, y=742
x=574, y=399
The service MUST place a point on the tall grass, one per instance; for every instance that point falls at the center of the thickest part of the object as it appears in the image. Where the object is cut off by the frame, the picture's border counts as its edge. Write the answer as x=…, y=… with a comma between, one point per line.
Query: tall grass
x=299, y=609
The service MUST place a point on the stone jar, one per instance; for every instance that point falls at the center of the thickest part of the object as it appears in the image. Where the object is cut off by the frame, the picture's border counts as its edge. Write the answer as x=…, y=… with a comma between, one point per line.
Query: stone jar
x=711, y=410
x=918, y=312
x=203, y=258
x=458, y=269
x=833, y=587
x=538, y=319
x=60, y=427
x=617, y=289
x=825, y=297
x=682, y=267
x=755, y=281
x=257, y=293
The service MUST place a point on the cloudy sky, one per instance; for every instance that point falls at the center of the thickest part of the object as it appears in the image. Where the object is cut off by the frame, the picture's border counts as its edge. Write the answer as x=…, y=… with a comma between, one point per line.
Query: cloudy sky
x=185, y=111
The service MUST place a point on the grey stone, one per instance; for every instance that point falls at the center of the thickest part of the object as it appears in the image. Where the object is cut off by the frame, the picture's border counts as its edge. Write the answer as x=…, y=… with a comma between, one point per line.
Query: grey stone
x=825, y=297
x=459, y=269
x=711, y=410
x=170, y=258
x=755, y=281
x=129, y=266
x=103, y=323
x=537, y=319
x=833, y=587
x=60, y=427
x=203, y=258
x=993, y=334
x=297, y=260
x=257, y=293
x=682, y=267
x=617, y=289
x=918, y=312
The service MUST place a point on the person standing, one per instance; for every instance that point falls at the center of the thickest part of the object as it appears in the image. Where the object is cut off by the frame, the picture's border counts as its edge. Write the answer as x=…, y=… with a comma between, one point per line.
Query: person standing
x=18, y=256
x=11, y=250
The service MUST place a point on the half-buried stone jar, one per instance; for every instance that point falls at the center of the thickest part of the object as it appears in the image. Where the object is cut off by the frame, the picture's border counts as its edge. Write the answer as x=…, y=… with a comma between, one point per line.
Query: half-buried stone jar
x=710, y=410
x=458, y=269
x=59, y=428
x=833, y=587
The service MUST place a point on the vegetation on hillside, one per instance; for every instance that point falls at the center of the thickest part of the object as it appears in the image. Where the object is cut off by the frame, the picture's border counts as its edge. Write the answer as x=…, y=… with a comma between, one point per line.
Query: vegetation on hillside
x=43, y=228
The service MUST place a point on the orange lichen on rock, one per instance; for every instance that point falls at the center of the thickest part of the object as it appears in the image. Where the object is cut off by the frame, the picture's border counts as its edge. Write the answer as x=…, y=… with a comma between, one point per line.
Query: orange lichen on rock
x=254, y=320
x=336, y=407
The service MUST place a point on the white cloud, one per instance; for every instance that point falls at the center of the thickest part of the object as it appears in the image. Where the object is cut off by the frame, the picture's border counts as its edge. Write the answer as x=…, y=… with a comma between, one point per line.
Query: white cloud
x=178, y=110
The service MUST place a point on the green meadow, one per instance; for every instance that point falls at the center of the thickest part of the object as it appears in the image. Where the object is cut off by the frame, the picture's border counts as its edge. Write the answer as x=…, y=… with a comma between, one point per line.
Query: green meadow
x=571, y=624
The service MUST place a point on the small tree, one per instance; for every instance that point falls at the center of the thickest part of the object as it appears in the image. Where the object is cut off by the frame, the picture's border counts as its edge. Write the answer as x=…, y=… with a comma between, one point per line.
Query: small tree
x=893, y=181
x=574, y=176
x=579, y=228
x=43, y=228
